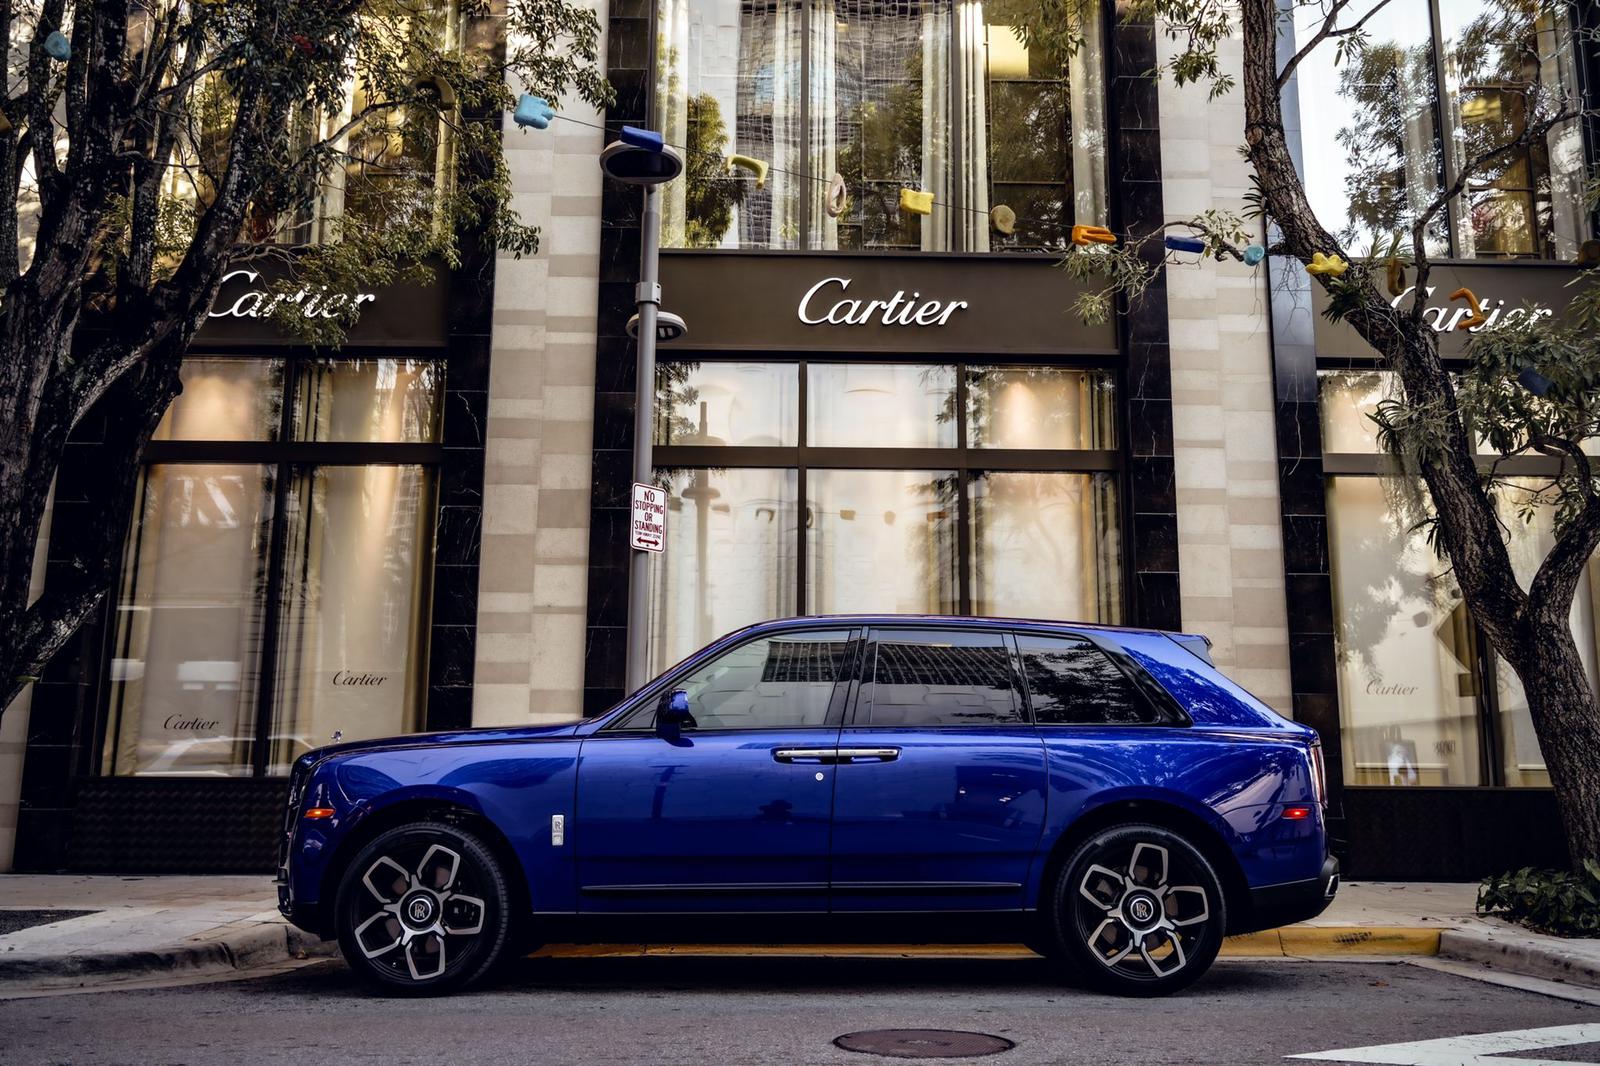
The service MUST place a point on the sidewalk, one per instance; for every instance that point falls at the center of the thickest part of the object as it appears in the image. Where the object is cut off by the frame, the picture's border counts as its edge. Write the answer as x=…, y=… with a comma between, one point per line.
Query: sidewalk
x=150, y=927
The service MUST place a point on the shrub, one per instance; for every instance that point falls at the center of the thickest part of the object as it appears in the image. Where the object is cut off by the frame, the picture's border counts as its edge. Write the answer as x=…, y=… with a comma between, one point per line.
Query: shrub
x=1563, y=902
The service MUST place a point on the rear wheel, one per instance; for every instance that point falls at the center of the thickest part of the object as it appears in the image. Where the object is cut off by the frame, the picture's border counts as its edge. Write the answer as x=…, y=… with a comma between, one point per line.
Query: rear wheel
x=423, y=909
x=1139, y=910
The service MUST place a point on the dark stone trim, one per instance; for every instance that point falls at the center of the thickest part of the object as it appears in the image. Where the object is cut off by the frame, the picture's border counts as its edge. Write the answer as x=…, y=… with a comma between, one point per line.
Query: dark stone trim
x=1149, y=507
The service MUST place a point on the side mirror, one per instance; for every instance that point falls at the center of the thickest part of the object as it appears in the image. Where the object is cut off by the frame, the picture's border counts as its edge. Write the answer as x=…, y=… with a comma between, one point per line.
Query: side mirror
x=672, y=714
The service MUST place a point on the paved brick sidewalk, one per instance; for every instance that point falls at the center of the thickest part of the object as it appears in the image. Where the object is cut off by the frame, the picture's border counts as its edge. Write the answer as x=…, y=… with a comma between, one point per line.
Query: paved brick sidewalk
x=145, y=927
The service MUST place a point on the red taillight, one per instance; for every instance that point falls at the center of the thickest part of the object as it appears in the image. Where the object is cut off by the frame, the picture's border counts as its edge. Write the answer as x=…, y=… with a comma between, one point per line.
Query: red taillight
x=1319, y=774
x=1297, y=814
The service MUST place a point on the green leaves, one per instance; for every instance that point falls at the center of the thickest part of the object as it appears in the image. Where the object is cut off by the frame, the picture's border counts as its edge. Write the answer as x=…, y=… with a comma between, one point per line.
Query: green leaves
x=1563, y=902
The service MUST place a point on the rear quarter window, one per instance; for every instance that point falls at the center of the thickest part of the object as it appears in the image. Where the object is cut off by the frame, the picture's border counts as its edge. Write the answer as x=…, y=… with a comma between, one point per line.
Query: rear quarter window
x=1071, y=682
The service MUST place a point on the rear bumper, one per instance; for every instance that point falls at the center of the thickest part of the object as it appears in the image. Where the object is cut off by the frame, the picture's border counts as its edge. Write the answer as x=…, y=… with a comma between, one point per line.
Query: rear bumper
x=1296, y=901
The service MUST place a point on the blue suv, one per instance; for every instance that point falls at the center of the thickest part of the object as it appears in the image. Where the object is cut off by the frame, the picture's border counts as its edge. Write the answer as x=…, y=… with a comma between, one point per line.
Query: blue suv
x=1104, y=795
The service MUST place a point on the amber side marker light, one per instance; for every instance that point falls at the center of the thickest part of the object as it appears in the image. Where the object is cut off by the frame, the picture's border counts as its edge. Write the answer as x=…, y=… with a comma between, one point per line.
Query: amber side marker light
x=319, y=813
x=1294, y=814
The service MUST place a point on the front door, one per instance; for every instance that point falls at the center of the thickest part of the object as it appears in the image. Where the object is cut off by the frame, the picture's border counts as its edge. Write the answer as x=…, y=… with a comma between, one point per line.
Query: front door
x=940, y=798
x=732, y=814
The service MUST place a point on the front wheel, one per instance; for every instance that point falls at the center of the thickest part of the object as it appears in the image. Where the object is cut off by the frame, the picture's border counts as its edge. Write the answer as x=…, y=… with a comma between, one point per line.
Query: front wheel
x=423, y=909
x=1139, y=910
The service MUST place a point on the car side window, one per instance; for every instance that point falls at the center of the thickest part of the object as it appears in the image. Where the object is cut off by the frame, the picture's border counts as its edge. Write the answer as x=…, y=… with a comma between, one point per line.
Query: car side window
x=778, y=681
x=942, y=677
x=1071, y=682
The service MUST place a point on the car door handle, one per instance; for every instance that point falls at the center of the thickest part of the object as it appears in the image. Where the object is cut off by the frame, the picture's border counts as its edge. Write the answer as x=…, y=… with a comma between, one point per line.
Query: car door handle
x=820, y=755
x=874, y=754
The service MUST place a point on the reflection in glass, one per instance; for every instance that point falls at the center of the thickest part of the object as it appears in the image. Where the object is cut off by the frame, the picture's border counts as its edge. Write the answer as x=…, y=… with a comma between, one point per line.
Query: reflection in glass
x=1040, y=407
x=728, y=82
x=1349, y=399
x=189, y=622
x=733, y=404
x=369, y=400
x=1372, y=156
x=354, y=606
x=777, y=682
x=942, y=678
x=1407, y=652
x=225, y=399
x=1510, y=65
x=731, y=556
x=881, y=541
x=1046, y=545
x=880, y=405
x=925, y=94
x=1071, y=682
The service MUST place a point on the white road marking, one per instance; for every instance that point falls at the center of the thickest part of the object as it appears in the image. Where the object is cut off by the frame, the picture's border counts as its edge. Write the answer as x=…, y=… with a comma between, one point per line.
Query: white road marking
x=1469, y=1050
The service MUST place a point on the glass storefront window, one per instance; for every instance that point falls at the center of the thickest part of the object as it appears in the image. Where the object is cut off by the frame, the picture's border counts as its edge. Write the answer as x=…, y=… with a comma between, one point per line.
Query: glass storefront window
x=1040, y=407
x=1407, y=651
x=371, y=400
x=880, y=405
x=1046, y=546
x=1375, y=158
x=732, y=557
x=1348, y=399
x=266, y=603
x=354, y=604
x=1508, y=66
x=189, y=620
x=225, y=399
x=932, y=94
x=881, y=541
x=711, y=404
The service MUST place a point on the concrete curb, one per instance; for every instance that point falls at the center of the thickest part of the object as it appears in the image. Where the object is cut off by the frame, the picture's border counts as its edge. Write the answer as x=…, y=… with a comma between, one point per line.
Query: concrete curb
x=1521, y=951
x=238, y=946
x=1334, y=942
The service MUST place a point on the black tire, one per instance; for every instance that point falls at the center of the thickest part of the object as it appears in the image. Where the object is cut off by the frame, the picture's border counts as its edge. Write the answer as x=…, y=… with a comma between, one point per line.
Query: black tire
x=439, y=901
x=1135, y=921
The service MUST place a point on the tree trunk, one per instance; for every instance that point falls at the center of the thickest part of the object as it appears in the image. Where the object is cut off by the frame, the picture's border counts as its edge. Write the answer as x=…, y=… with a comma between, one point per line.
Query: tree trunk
x=1533, y=633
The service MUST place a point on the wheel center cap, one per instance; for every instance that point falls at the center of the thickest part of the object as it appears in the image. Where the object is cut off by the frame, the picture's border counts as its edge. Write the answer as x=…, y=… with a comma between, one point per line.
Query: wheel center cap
x=419, y=910
x=1141, y=909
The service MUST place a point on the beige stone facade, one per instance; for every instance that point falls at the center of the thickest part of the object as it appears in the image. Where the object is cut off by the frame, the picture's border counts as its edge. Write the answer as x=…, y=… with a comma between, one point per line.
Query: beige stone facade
x=534, y=570
x=1230, y=548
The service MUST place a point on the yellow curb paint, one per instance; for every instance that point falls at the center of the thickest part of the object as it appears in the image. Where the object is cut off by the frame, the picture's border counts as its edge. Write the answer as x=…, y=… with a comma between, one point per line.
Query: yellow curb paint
x=1295, y=941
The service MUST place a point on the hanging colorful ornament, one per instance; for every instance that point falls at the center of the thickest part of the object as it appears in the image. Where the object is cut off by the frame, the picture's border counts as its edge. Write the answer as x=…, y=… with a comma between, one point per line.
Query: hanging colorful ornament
x=1534, y=381
x=1083, y=236
x=1176, y=243
x=916, y=202
x=533, y=111
x=57, y=47
x=649, y=140
x=1331, y=265
x=1477, y=318
x=758, y=167
x=1003, y=219
x=838, y=196
x=1395, y=276
x=1253, y=254
x=304, y=43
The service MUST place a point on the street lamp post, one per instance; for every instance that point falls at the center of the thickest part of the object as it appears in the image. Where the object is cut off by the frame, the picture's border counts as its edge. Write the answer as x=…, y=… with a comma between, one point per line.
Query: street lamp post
x=640, y=158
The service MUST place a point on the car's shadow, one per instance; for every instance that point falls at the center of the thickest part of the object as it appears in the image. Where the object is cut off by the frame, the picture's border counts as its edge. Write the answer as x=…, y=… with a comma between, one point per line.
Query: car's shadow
x=766, y=974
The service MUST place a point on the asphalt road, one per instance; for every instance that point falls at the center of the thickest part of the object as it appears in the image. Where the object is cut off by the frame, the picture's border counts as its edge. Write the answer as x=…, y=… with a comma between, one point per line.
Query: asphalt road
x=764, y=1010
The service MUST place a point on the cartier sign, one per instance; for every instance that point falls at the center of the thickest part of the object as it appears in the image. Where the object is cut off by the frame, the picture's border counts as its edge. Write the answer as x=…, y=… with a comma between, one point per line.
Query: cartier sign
x=1508, y=292
x=898, y=310
x=866, y=303
x=252, y=298
x=257, y=302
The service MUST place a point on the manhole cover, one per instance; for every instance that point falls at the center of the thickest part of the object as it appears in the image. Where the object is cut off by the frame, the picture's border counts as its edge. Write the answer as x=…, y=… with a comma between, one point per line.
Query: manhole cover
x=923, y=1043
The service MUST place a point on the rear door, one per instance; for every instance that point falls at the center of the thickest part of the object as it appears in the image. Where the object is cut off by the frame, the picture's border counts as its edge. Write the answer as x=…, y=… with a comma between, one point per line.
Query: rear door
x=939, y=800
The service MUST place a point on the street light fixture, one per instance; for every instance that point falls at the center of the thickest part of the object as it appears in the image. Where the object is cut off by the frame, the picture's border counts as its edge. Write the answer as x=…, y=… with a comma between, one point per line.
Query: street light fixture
x=642, y=158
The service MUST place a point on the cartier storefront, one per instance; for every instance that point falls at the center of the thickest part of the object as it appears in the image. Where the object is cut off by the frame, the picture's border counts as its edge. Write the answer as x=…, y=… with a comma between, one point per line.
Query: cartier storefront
x=287, y=569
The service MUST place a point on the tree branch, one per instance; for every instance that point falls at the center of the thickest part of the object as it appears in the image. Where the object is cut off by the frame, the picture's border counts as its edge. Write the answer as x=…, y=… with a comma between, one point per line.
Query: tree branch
x=1325, y=33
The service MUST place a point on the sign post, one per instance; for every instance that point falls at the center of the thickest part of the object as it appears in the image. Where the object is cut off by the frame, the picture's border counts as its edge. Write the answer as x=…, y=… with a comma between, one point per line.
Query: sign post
x=648, y=530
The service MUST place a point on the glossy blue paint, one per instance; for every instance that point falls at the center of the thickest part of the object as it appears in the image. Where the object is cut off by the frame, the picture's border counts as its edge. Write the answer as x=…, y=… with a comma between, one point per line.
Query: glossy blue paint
x=713, y=821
